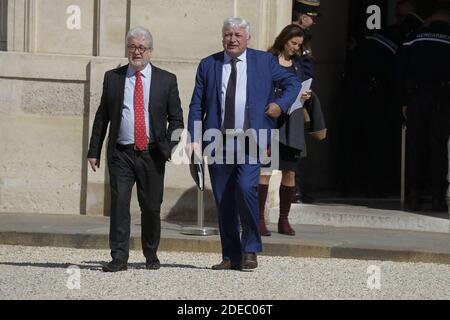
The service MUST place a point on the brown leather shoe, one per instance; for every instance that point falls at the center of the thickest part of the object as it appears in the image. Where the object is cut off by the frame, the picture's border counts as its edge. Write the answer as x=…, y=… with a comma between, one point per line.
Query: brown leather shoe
x=226, y=265
x=249, y=261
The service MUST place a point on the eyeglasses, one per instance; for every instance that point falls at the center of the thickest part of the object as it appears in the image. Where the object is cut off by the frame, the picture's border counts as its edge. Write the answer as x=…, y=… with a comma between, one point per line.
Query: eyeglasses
x=140, y=49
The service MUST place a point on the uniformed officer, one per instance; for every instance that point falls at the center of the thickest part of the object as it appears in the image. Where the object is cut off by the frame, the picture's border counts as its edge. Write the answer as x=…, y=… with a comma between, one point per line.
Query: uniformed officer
x=304, y=14
x=372, y=119
x=425, y=83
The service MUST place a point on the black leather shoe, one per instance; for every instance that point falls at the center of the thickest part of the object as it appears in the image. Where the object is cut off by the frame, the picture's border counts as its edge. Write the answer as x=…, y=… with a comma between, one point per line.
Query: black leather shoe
x=376, y=194
x=249, y=261
x=115, y=266
x=152, y=265
x=307, y=199
x=438, y=204
x=226, y=265
x=415, y=204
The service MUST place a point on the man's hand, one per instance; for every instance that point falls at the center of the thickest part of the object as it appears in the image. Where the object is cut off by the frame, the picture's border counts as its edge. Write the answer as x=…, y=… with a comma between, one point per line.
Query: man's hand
x=306, y=95
x=273, y=110
x=95, y=163
x=193, y=147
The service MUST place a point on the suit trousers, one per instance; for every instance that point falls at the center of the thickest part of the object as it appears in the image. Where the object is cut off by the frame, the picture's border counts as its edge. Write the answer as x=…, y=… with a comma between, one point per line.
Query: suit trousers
x=235, y=188
x=146, y=169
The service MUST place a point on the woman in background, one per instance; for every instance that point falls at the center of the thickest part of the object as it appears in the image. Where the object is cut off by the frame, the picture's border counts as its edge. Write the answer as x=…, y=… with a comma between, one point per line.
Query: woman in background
x=292, y=139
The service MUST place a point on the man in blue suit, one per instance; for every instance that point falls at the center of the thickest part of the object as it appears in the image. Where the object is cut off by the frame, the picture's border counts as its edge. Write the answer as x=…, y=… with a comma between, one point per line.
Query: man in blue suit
x=234, y=92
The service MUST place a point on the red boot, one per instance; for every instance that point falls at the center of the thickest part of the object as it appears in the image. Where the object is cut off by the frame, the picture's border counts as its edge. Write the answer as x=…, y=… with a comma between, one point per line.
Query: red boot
x=262, y=194
x=263, y=229
x=284, y=227
x=286, y=195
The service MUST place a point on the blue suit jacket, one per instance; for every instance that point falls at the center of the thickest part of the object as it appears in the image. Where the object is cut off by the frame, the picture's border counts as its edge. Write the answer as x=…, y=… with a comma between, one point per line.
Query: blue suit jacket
x=262, y=71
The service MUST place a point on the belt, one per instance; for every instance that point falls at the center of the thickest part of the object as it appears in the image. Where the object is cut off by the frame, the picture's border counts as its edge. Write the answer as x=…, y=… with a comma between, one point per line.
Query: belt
x=132, y=146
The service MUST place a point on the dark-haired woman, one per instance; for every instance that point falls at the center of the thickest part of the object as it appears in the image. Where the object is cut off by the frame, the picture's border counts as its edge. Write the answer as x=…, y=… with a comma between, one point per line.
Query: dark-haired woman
x=292, y=140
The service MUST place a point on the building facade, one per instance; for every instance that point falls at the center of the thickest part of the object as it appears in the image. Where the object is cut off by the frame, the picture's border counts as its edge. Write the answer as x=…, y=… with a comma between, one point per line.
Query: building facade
x=54, y=55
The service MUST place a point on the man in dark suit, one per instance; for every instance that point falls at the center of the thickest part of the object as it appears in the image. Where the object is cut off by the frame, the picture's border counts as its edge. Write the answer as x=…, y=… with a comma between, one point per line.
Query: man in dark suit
x=142, y=106
x=234, y=92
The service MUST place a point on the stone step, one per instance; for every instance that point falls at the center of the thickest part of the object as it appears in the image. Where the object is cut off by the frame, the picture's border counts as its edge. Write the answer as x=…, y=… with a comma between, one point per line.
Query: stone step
x=360, y=216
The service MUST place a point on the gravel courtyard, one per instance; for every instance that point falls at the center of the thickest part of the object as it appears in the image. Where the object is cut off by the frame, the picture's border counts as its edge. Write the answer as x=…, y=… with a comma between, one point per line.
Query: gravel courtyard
x=64, y=273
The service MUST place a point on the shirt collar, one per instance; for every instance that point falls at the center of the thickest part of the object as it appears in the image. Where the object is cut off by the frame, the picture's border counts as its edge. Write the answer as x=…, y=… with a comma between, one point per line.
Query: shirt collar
x=146, y=72
x=242, y=57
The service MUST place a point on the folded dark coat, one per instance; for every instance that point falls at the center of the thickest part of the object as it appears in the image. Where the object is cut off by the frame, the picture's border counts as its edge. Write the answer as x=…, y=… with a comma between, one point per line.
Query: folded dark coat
x=308, y=120
x=316, y=126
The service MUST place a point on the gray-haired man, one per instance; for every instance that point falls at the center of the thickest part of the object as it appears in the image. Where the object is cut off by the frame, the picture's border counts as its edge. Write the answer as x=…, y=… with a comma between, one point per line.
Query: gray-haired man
x=141, y=105
x=234, y=91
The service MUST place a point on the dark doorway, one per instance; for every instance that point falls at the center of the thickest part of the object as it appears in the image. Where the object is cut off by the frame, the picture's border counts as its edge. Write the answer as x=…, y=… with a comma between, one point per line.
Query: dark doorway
x=368, y=151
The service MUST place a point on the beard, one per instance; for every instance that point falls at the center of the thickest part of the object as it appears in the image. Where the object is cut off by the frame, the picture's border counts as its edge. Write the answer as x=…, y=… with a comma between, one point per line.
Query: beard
x=138, y=64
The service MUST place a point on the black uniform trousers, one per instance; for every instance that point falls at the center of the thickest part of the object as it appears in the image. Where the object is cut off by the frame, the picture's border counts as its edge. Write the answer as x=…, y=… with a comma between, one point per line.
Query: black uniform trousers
x=146, y=169
x=428, y=130
x=371, y=140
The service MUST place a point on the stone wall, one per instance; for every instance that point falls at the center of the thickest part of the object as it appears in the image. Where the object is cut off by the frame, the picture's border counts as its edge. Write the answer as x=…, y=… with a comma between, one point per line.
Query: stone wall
x=51, y=79
x=50, y=86
x=3, y=24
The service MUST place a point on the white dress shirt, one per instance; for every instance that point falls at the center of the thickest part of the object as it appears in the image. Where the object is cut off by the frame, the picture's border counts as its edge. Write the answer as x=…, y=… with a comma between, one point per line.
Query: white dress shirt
x=241, y=89
x=126, y=131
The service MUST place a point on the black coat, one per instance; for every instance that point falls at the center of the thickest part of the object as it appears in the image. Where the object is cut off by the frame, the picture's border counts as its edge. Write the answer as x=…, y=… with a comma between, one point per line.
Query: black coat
x=166, y=114
x=292, y=127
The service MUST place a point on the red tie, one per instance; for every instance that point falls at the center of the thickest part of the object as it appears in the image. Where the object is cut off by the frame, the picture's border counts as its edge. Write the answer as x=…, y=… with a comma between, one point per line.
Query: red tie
x=140, y=130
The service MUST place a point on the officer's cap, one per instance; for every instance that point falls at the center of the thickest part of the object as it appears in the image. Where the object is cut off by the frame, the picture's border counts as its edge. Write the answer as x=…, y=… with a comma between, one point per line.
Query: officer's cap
x=308, y=7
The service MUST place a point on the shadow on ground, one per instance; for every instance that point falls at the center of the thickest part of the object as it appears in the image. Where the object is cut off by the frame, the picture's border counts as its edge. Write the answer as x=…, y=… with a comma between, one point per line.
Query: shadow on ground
x=185, y=208
x=91, y=265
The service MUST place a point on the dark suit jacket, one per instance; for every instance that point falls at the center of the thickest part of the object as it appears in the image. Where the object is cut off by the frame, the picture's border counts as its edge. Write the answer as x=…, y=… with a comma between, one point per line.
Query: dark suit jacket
x=164, y=107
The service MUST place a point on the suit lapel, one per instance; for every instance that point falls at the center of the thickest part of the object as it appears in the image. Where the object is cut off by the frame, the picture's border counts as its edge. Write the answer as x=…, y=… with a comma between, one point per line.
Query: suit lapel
x=122, y=74
x=251, y=68
x=219, y=67
x=154, y=89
